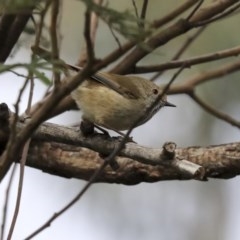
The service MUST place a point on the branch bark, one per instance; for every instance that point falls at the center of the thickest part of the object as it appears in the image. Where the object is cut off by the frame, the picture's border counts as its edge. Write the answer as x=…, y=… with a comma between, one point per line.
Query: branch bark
x=63, y=151
x=222, y=161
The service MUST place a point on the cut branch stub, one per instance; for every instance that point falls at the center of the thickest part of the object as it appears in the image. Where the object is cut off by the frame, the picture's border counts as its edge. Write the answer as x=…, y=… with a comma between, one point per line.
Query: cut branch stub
x=168, y=151
x=185, y=167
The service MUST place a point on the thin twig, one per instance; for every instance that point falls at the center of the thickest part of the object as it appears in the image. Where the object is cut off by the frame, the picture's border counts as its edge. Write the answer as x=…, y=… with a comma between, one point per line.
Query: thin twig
x=143, y=14
x=30, y=98
x=135, y=8
x=39, y=27
x=6, y=201
x=115, y=37
x=20, y=187
x=218, y=17
x=220, y=71
x=213, y=111
x=235, y=51
x=87, y=35
x=19, y=74
x=144, y=9
x=93, y=25
x=195, y=10
x=54, y=40
x=190, y=84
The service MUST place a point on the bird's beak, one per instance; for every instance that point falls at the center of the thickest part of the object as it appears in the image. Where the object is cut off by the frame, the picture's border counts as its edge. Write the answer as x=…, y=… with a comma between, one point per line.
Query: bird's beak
x=168, y=104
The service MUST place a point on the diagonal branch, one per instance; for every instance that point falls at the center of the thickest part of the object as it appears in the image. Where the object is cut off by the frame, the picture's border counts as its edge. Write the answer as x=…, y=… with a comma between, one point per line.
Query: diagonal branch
x=213, y=111
x=235, y=51
x=215, y=74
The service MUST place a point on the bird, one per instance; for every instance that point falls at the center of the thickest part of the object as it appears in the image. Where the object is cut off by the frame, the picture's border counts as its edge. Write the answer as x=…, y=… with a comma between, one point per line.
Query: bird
x=117, y=102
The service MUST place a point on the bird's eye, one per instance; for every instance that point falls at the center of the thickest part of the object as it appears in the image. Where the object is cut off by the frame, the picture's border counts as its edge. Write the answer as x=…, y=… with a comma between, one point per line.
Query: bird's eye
x=155, y=91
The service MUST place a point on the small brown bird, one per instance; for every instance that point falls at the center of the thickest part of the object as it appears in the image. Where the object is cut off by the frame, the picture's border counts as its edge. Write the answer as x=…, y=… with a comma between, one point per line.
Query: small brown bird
x=116, y=102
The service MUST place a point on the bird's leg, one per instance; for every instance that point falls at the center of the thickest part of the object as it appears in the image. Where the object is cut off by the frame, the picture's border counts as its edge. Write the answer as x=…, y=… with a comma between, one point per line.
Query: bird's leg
x=86, y=127
x=122, y=135
x=102, y=130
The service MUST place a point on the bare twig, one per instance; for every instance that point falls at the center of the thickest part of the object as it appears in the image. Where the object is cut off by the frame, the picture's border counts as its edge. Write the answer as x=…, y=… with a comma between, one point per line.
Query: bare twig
x=39, y=27
x=19, y=74
x=20, y=187
x=219, y=16
x=220, y=71
x=54, y=40
x=93, y=26
x=144, y=9
x=215, y=74
x=195, y=10
x=235, y=51
x=213, y=111
x=87, y=35
x=115, y=37
x=135, y=8
x=30, y=93
x=6, y=201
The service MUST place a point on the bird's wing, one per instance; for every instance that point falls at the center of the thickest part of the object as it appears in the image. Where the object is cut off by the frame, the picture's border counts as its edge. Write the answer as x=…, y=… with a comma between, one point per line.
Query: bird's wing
x=106, y=80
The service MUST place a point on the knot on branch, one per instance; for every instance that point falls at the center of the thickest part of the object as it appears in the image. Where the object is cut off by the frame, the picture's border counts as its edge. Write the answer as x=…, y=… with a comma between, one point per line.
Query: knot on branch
x=168, y=151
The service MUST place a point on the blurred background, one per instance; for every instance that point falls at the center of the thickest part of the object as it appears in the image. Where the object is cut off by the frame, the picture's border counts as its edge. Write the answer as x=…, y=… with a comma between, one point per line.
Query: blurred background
x=172, y=210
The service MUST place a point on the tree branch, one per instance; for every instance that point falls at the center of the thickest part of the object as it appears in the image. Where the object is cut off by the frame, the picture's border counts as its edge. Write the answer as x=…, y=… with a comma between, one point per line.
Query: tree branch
x=235, y=51
x=63, y=151
x=71, y=161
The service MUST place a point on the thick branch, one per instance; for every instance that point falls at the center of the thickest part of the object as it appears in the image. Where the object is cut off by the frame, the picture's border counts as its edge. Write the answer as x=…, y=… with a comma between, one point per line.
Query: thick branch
x=221, y=161
x=63, y=151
